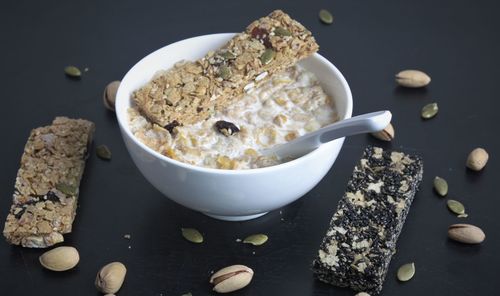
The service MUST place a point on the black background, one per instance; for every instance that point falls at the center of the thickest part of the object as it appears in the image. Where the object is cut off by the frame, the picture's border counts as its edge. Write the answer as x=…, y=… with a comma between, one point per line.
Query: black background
x=456, y=42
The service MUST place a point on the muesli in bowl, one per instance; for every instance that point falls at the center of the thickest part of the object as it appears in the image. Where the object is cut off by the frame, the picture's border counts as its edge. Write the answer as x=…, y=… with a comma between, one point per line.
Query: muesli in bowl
x=279, y=109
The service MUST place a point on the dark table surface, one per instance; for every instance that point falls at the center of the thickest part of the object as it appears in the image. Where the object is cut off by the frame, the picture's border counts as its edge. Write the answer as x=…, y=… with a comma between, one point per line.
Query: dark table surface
x=456, y=42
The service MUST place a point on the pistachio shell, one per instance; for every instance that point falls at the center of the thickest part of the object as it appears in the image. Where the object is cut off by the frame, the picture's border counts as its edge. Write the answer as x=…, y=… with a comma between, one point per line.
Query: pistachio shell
x=466, y=233
x=412, y=78
x=60, y=259
x=109, y=96
x=387, y=134
x=110, y=278
x=477, y=159
x=231, y=278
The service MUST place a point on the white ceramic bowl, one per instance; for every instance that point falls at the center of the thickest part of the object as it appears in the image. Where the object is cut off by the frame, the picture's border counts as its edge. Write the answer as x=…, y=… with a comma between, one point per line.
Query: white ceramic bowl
x=227, y=194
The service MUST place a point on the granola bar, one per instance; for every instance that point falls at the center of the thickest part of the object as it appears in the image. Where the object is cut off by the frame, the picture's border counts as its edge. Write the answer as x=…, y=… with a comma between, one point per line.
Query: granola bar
x=361, y=239
x=46, y=188
x=190, y=91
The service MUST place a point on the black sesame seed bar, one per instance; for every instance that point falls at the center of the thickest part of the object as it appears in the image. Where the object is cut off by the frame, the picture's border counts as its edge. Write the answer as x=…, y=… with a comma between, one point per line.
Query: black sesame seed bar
x=46, y=189
x=362, y=236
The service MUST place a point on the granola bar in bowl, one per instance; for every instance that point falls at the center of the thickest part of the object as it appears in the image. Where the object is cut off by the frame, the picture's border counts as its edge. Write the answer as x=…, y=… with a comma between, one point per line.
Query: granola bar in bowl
x=194, y=115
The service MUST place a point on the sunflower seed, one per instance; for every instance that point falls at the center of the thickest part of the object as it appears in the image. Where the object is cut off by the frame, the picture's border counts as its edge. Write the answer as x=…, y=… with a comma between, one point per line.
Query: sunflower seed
x=325, y=16
x=224, y=72
x=256, y=239
x=456, y=207
x=103, y=152
x=441, y=186
x=73, y=71
x=406, y=272
x=280, y=31
x=429, y=110
x=192, y=235
x=267, y=56
x=67, y=188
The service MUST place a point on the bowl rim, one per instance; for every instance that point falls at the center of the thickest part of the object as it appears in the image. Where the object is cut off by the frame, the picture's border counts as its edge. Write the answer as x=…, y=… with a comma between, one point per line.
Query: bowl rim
x=125, y=127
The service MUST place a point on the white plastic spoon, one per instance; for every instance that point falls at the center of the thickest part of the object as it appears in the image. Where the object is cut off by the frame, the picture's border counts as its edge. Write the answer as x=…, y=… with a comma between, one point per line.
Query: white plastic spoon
x=366, y=123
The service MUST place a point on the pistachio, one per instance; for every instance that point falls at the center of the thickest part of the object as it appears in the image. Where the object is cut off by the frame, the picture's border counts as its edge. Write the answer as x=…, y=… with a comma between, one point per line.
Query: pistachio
x=477, y=159
x=192, y=235
x=387, y=134
x=72, y=71
x=110, y=278
x=60, y=259
x=109, y=96
x=412, y=78
x=231, y=278
x=466, y=233
x=103, y=152
x=441, y=186
x=325, y=16
x=406, y=272
x=256, y=239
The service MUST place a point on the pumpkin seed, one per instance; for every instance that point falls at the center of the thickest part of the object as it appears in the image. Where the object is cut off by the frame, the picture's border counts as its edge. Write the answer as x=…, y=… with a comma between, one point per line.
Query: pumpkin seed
x=73, y=71
x=256, y=239
x=67, y=188
x=280, y=31
x=429, y=110
x=192, y=235
x=441, y=186
x=224, y=72
x=325, y=16
x=456, y=207
x=406, y=272
x=267, y=56
x=227, y=55
x=103, y=152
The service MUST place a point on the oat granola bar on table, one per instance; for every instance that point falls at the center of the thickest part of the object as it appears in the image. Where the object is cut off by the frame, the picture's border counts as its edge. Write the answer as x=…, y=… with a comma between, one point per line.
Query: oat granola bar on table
x=189, y=92
x=361, y=239
x=47, y=182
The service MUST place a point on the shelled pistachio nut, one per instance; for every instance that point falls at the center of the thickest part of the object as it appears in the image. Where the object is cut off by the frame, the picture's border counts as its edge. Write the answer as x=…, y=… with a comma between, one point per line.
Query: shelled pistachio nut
x=110, y=278
x=466, y=233
x=477, y=159
x=231, y=278
x=387, y=134
x=109, y=96
x=60, y=259
x=412, y=78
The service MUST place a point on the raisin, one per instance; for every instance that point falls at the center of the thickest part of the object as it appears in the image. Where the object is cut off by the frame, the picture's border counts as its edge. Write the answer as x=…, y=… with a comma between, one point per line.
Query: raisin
x=170, y=127
x=262, y=35
x=226, y=128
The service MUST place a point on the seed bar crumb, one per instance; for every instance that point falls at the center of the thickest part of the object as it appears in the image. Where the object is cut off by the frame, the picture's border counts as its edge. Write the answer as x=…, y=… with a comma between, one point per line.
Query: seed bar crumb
x=190, y=91
x=362, y=236
x=46, y=188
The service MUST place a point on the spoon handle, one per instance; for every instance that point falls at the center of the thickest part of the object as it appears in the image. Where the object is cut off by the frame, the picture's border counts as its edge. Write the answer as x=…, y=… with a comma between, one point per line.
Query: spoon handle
x=366, y=123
